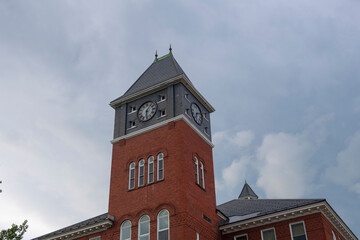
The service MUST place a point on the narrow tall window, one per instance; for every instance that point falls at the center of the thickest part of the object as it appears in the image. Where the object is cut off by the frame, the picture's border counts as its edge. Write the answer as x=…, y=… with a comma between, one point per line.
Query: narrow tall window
x=333, y=235
x=141, y=173
x=202, y=176
x=268, y=234
x=160, y=166
x=132, y=175
x=163, y=225
x=125, y=230
x=151, y=169
x=298, y=231
x=144, y=228
x=196, y=170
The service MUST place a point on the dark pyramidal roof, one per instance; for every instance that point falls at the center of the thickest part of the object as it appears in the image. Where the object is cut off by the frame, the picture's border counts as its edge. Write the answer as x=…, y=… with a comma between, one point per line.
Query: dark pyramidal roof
x=247, y=192
x=162, y=69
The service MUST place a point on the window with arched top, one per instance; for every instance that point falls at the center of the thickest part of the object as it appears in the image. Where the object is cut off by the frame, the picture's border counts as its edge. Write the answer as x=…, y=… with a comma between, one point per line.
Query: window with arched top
x=144, y=228
x=132, y=175
x=163, y=224
x=125, y=230
x=151, y=169
x=196, y=170
x=160, y=166
x=202, y=176
x=141, y=172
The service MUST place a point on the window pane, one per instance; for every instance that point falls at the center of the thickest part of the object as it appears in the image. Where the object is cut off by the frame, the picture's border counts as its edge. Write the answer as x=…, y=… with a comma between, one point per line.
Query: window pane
x=151, y=177
x=125, y=234
x=161, y=175
x=297, y=229
x=241, y=238
x=300, y=237
x=160, y=164
x=144, y=238
x=269, y=234
x=164, y=235
x=141, y=181
x=144, y=228
x=132, y=183
x=163, y=223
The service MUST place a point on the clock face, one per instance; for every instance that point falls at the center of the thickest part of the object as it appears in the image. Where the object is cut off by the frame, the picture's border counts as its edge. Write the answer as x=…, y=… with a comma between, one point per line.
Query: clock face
x=196, y=113
x=147, y=111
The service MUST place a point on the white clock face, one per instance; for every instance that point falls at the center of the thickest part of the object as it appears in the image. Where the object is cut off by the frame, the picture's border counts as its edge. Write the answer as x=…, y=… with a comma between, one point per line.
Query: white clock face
x=196, y=113
x=147, y=111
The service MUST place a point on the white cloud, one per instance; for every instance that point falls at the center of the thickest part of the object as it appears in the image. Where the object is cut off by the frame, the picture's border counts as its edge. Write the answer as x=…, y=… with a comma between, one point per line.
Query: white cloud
x=347, y=170
x=234, y=174
x=240, y=139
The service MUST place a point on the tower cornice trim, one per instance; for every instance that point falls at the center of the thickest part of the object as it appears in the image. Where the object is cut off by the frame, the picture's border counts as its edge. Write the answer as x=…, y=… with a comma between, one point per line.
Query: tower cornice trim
x=180, y=78
x=161, y=124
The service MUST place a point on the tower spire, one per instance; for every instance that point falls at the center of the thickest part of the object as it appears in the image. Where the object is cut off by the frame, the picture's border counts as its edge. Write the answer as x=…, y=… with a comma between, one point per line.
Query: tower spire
x=156, y=56
x=170, y=49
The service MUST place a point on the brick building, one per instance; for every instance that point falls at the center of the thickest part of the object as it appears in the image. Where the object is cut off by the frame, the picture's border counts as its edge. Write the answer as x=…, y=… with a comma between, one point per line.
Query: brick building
x=162, y=179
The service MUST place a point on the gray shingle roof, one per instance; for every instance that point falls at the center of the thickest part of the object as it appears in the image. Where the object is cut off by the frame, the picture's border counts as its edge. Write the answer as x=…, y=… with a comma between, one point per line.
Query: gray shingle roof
x=159, y=71
x=85, y=223
x=247, y=192
x=249, y=208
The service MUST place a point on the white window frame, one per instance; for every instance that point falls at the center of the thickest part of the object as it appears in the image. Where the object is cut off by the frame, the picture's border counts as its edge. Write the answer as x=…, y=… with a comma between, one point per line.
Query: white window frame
x=141, y=165
x=162, y=97
x=333, y=234
x=95, y=238
x=130, y=169
x=202, y=176
x=121, y=230
x=158, y=223
x=197, y=171
x=139, y=227
x=263, y=230
x=242, y=235
x=151, y=162
x=132, y=109
x=158, y=168
x=292, y=238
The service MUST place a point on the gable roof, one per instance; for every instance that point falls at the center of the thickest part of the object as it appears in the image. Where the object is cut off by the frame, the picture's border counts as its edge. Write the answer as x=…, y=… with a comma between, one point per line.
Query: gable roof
x=241, y=209
x=247, y=192
x=105, y=220
x=162, y=69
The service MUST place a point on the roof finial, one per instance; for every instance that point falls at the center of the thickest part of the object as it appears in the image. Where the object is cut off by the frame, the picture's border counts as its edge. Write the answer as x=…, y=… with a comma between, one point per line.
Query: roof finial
x=170, y=49
x=156, y=56
x=245, y=181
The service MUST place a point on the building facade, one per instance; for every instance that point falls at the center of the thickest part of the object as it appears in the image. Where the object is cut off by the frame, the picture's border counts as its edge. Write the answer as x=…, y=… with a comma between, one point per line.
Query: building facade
x=162, y=178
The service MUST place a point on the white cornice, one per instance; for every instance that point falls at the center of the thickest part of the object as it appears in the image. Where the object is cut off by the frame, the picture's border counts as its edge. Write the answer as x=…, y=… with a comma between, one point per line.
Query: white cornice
x=322, y=207
x=80, y=232
x=181, y=78
x=161, y=124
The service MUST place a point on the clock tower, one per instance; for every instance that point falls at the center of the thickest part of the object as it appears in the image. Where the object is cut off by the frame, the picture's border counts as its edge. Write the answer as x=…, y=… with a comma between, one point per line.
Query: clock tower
x=162, y=178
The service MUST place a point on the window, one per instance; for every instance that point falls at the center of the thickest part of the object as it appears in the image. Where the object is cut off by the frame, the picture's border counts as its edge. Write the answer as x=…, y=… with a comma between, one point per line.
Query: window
x=162, y=113
x=95, y=238
x=202, y=177
x=132, y=109
x=162, y=98
x=132, y=175
x=197, y=236
x=298, y=231
x=196, y=171
x=144, y=228
x=132, y=124
x=141, y=172
x=241, y=237
x=268, y=234
x=160, y=166
x=163, y=225
x=333, y=235
x=125, y=230
x=151, y=169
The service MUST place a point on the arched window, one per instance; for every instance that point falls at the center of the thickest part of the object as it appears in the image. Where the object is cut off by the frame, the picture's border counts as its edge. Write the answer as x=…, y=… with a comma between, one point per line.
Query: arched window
x=163, y=225
x=144, y=228
x=196, y=170
x=132, y=175
x=141, y=172
x=160, y=166
x=125, y=230
x=202, y=176
x=151, y=169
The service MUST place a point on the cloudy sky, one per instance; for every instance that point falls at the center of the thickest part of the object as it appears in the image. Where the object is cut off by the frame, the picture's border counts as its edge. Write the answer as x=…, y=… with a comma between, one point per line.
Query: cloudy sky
x=283, y=77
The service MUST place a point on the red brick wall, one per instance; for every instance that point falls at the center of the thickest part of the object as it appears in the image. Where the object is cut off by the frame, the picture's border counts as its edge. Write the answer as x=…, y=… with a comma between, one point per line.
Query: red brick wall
x=314, y=225
x=178, y=193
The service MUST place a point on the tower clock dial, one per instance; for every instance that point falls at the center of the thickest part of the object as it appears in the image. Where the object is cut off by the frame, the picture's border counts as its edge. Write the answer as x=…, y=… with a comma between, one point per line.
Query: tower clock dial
x=196, y=113
x=147, y=111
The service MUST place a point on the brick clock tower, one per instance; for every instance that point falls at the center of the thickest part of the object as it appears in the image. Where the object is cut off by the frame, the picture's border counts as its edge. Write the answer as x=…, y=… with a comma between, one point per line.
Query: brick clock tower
x=162, y=178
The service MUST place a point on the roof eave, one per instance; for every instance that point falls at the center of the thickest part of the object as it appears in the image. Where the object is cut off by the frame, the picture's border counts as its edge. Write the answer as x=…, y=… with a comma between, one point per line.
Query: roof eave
x=180, y=78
